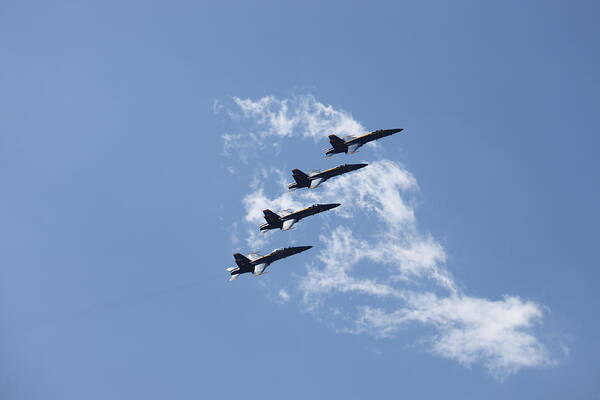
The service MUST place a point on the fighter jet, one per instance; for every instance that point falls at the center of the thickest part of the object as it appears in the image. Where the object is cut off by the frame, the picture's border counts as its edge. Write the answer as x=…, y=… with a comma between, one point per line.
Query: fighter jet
x=314, y=179
x=286, y=221
x=351, y=144
x=257, y=263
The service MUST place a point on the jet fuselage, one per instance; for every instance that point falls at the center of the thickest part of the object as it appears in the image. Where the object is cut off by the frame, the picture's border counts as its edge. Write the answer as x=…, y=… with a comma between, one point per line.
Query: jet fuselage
x=352, y=144
x=275, y=221
x=258, y=265
x=315, y=179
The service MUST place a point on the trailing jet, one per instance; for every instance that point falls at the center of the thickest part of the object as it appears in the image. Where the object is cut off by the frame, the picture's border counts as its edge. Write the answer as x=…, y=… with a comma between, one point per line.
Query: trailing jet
x=258, y=263
x=351, y=144
x=314, y=179
x=285, y=222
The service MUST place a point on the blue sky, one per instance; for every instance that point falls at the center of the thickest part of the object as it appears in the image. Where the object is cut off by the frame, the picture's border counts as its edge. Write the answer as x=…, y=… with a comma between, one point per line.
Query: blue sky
x=119, y=209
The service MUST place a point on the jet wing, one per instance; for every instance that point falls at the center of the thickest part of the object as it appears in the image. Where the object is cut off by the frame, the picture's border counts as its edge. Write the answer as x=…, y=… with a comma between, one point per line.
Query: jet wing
x=299, y=214
x=321, y=174
x=287, y=224
x=328, y=173
x=260, y=269
x=254, y=256
x=316, y=182
x=353, y=148
x=358, y=140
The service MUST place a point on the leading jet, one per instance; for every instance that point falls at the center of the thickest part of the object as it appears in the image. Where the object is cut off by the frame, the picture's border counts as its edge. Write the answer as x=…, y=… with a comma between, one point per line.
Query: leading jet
x=351, y=144
x=314, y=179
x=286, y=221
x=257, y=264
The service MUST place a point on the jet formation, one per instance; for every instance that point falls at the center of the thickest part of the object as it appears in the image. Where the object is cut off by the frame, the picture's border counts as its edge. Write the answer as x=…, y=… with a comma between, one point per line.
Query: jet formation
x=256, y=263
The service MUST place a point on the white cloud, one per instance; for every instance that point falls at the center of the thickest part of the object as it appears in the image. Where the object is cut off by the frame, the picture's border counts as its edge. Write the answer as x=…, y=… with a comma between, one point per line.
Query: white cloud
x=284, y=296
x=300, y=115
x=277, y=119
x=241, y=145
x=396, y=274
x=497, y=333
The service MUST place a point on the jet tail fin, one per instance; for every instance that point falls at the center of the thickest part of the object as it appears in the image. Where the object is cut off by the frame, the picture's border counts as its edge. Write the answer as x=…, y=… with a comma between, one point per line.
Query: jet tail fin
x=234, y=277
x=336, y=142
x=300, y=177
x=298, y=172
x=271, y=217
x=241, y=260
x=338, y=146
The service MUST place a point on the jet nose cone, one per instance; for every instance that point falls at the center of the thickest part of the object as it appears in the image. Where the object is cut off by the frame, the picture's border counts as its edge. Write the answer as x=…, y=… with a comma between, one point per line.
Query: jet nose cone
x=396, y=130
x=303, y=248
x=334, y=205
x=359, y=166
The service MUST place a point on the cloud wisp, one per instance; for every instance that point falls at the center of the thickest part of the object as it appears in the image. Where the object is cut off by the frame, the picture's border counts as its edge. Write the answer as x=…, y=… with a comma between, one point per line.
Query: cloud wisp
x=375, y=251
x=300, y=115
x=273, y=118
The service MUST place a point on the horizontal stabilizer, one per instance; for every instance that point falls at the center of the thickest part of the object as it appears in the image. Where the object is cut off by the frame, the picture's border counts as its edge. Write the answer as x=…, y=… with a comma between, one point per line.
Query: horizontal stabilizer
x=234, y=277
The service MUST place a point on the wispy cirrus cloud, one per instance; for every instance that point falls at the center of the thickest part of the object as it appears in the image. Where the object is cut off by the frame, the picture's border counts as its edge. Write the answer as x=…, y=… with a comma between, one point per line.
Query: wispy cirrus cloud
x=299, y=115
x=283, y=296
x=469, y=329
x=396, y=273
x=278, y=119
